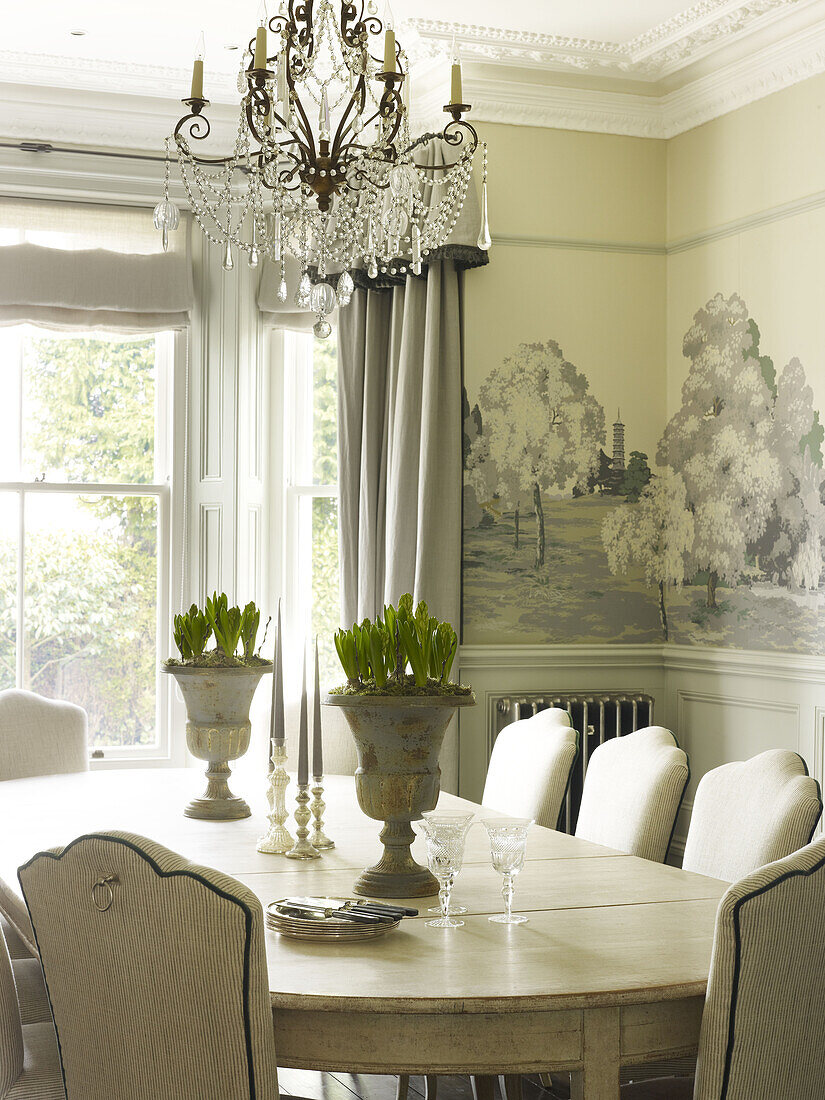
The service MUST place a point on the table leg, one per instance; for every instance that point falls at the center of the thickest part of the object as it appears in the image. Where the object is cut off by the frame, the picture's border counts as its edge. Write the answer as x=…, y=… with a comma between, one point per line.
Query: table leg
x=511, y=1088
x=430, y=1086
x=599, y=1078
x=402, y=1087
x=484, y=1088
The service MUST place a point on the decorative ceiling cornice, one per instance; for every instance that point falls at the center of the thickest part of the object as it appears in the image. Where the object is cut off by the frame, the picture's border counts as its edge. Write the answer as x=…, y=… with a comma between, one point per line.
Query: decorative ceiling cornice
x=664, y=48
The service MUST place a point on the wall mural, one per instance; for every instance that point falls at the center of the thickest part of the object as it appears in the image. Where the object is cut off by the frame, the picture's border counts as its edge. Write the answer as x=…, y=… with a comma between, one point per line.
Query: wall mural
x=720, y=543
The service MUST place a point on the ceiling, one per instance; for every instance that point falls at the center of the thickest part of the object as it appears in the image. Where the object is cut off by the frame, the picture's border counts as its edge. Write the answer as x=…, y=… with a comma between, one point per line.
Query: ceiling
x=650, y=67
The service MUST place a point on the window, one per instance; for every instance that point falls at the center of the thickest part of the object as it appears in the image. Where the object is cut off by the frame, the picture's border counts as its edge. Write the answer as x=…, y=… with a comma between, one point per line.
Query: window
x=85, y=482
x=311, y=437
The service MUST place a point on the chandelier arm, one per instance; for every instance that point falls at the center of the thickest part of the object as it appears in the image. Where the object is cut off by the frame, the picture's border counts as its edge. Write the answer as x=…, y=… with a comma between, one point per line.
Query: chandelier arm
x=199, y=127
x=345, y=127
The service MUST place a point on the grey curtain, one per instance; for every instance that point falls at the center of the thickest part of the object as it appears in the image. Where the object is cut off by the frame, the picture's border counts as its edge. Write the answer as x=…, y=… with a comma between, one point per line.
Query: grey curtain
x=399, y=424
x=399, y=453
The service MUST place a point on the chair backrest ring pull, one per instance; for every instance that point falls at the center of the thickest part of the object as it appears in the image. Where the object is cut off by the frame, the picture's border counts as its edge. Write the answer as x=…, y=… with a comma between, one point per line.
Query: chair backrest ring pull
x=102, y=893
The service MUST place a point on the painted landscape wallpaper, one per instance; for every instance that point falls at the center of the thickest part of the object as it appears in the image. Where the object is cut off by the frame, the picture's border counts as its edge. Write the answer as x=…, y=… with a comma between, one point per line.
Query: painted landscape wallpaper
x=573, y=532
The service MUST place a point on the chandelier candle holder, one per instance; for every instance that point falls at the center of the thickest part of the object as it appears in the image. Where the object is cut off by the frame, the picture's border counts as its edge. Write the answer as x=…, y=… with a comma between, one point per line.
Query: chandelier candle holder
x=277, y=839
x=323, y=166
x=318, y=838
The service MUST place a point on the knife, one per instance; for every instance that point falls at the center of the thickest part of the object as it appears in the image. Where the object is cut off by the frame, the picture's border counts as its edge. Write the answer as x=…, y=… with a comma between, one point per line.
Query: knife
x=308, y=910
x=397, y=911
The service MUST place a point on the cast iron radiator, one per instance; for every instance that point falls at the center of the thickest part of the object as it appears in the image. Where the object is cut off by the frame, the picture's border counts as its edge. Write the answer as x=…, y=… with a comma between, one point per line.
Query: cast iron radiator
x=597, y=716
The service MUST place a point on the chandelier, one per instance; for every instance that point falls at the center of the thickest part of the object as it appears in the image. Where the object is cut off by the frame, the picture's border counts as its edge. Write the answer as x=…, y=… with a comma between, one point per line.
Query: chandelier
x=323, y=166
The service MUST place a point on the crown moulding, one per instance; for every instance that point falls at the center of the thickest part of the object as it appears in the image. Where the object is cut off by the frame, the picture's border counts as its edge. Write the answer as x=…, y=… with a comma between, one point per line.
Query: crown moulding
x=658, y=52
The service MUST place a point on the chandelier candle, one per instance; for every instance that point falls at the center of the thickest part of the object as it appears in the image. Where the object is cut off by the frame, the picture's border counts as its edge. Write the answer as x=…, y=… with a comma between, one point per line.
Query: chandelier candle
x=324, y=167
x=197, y=70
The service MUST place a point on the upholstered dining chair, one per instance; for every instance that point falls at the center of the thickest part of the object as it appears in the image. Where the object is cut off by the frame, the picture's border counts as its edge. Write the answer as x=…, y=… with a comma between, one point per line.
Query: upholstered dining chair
x=40, y=736
x=157, y=962
x=751, y=812
x=764, y=1013
x=530, y=767
x=632, y=791
x=29, y=1059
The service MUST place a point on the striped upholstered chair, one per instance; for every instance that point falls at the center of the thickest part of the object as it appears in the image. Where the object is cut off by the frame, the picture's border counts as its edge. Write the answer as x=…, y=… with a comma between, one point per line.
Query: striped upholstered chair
x=750, y=813
x=156, y=972
x=764, y=1014
x=632, y=791
x=530, y=767
x=29, y=1061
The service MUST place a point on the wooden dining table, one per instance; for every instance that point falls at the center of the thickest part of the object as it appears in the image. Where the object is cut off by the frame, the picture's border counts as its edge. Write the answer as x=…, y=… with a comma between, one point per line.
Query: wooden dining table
x=610, y=969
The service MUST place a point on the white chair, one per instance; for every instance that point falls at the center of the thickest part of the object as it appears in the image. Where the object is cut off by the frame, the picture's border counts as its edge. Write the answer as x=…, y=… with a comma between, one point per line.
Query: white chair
x=530, y=767
x=29, y=1059
x=41, y=736
x=750, y=813
x=156, y=972
x=764, y=1014
x=632, y=790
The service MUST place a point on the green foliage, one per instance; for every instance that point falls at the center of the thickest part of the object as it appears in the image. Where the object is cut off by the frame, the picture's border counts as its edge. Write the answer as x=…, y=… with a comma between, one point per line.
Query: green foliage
x=378, y=654
x=250, y=621
x=229, y=625
x=636, y=476
x=765, y=362
x=813, y=440
x=191, y=631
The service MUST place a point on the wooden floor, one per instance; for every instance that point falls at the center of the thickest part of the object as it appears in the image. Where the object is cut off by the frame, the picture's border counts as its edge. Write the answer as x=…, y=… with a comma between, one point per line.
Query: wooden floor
x=348, y=1086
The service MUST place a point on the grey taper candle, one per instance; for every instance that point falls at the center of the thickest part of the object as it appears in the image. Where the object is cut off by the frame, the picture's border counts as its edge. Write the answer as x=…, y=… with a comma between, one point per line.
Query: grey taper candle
x=277, y=730
x=317, y=746
x=303, y=730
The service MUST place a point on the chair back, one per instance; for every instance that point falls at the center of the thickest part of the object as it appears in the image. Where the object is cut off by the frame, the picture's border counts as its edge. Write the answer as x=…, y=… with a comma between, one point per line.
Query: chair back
x=41, y=736
x=764, y=1013
x=749, y=813
x=156, y=973
x=530, y=767
x=632, y=790
x=11, y=1029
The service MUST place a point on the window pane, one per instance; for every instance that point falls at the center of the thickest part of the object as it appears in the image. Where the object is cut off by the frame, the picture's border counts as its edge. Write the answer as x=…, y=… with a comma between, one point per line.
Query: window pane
x=325, y=411
x=91, y=610
x=9, y=526
x=10, y=405
x=325, y=606
x=89, y=407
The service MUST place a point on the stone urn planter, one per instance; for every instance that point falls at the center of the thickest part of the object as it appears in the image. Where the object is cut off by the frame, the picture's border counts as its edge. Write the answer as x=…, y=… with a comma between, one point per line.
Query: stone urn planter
x=217, y=730
x=398, y=740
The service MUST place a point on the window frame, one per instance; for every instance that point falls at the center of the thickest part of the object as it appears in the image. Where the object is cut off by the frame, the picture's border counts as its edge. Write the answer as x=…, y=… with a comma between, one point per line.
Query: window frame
x=170, y=423
x=294, y=381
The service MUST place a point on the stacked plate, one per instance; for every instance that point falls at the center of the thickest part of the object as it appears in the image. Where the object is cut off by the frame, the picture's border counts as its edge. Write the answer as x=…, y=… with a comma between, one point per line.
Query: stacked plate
x=306, y=919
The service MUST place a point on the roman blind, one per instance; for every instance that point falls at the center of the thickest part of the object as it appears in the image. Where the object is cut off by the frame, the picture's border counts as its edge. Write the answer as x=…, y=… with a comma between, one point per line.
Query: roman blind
x=75, y=265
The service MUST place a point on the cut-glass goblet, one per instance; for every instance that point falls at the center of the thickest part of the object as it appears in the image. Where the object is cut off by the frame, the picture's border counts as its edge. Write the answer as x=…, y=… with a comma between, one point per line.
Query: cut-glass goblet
x=508, y=848
x=445, y=835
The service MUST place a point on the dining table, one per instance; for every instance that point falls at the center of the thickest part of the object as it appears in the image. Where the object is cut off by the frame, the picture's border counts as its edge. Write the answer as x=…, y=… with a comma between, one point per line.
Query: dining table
x=609, y=970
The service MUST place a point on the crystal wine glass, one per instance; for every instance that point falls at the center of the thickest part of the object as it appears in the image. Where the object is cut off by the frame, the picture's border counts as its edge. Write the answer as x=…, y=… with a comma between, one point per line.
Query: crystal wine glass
x=460, y=818
x=508, y=847
x=445, y=835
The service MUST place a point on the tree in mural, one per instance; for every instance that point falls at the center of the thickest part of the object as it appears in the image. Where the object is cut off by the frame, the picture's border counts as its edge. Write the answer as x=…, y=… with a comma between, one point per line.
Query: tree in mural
x=657, y=534
x=487, y=481
x=721, y=442
x=542, y=430
x=636, y=476
x=790, y=546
